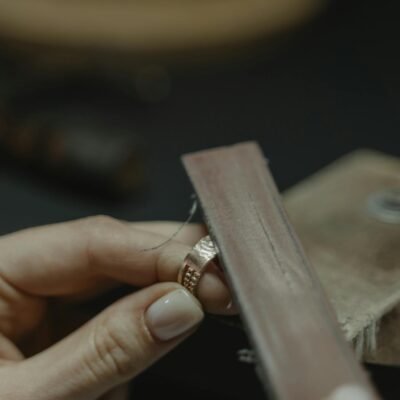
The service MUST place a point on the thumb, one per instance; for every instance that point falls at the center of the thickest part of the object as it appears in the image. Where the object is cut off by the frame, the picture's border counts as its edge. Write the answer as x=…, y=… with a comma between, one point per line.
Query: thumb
x=115, y=346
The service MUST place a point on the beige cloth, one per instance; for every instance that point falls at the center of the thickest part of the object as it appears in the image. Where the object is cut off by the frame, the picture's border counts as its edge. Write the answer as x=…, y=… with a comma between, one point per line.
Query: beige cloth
x=357, y=257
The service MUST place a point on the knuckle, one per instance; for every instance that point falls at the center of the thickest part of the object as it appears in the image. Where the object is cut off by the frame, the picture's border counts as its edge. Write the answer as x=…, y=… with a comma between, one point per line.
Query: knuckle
x=167, y=263
x=104, y=239
x=100, y=223
x=111, y=352
x=11, y=388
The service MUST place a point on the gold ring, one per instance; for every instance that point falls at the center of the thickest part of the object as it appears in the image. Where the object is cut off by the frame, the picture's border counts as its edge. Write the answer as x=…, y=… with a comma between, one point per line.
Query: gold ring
x=196, y=263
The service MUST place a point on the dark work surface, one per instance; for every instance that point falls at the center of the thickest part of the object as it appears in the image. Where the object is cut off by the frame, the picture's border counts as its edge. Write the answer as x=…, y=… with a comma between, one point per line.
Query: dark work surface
x=329, y=89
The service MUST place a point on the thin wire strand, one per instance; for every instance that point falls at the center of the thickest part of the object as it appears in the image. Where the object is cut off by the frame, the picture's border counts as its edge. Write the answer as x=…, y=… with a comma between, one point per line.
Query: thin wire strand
x=192, y=212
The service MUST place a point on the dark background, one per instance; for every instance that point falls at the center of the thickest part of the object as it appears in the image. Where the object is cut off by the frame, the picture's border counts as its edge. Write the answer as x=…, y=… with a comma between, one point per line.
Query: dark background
x=327, y=89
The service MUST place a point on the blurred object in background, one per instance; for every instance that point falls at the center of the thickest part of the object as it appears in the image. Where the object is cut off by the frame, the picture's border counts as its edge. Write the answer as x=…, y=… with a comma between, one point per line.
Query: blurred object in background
x=67, y=32
x=75, y=76
x=75, y=131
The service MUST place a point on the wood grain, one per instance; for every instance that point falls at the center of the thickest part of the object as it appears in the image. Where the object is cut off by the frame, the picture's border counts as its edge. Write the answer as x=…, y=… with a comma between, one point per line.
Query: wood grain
x=301, y=352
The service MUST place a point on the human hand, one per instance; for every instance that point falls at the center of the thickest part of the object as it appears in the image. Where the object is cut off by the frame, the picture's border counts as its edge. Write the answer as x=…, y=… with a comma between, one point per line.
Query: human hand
x=76, y=261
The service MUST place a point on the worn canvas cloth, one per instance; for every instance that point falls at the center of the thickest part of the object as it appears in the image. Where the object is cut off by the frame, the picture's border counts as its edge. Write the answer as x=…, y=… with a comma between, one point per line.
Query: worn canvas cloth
x=356, y=255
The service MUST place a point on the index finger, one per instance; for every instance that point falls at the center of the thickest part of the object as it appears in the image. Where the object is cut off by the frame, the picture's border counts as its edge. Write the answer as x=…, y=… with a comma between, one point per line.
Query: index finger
x=70, y=257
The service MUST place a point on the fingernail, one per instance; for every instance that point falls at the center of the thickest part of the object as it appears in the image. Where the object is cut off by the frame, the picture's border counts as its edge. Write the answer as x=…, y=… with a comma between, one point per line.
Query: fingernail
x=173, y=314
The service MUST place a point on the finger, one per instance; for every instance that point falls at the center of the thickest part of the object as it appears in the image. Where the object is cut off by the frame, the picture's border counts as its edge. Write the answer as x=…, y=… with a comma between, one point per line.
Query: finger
x=20, y=312
x=188, y=234
x=8, y=351
x=69, y=258
x=66, y=257
x=114, y=347
x=211, y=290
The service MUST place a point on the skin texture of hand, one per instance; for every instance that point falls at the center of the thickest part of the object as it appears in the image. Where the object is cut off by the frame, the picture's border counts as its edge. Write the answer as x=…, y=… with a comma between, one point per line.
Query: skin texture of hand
x=70, y=264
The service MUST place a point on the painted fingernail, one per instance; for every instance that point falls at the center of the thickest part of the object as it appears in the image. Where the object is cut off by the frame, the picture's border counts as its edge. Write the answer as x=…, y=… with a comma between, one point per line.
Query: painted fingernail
x=173, y=314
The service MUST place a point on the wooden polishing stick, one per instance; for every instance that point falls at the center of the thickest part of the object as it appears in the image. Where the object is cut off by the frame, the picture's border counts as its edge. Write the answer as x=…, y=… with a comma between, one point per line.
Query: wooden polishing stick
x=301, y=353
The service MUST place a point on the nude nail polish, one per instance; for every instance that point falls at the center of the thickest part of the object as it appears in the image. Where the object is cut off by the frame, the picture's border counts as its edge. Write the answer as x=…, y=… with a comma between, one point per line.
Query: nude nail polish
x=173, y=314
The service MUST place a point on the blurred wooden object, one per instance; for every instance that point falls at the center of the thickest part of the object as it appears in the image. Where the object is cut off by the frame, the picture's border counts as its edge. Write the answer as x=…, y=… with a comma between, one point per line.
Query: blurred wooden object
x=146, y=29
x=355, y=252
x=300, y=352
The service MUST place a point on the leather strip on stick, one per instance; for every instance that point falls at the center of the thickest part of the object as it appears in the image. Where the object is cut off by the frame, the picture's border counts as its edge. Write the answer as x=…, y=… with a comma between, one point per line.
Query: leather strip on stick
x=301, y=353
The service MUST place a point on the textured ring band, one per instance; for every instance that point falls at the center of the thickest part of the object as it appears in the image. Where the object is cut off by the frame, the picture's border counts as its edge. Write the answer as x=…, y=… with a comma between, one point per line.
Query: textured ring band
x=196, y=263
